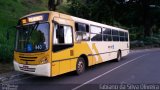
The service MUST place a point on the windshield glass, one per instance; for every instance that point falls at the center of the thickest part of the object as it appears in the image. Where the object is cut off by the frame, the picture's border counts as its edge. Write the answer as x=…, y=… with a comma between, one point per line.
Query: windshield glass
x=32, y=38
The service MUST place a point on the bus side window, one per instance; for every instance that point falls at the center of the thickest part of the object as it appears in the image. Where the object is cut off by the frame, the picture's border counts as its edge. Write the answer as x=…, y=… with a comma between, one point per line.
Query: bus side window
x=60, y=34
x=107, y=36
x=122, y=36
x=62, y=37
x=126, y=36
x=96, y=33
x=115, y=35
x=82, y=31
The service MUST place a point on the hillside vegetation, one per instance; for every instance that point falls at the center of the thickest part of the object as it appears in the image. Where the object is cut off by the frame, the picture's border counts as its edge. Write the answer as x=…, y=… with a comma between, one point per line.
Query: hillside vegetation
x=10, y=12
x=140, y=17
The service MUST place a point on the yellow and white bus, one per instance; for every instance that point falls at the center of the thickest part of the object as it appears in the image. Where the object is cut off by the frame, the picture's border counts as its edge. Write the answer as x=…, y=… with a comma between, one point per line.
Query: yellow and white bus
x=50, y=43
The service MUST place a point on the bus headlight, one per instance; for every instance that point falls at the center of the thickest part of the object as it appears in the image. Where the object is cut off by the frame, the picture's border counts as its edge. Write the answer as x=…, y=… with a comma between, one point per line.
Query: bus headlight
x=44, y=60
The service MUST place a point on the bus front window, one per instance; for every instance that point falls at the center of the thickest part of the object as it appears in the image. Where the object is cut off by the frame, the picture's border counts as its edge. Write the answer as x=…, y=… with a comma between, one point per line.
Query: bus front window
x=32, y=38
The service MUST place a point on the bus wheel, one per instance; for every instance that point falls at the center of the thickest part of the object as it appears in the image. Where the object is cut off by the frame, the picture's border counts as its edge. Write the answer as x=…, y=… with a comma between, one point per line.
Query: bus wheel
x=80, y=66
x=119, y=56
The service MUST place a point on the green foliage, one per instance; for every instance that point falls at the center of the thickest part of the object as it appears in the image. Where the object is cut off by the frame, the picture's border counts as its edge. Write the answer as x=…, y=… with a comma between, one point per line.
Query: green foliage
x=152, y=40
x=96, y=10
x=10, y=12
x=6, y=43
x=63, y=7
x=137, y=16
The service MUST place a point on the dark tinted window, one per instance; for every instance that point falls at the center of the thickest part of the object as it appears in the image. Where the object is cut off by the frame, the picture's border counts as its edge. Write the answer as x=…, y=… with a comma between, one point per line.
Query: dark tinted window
x=115, y=38
x=115, y=35
x=82, y=27
x=107, y=37
x=122, y=36
x=121, y=33
x=114, y=32
x=96, y=37
x=107, y=31
x=126, y=36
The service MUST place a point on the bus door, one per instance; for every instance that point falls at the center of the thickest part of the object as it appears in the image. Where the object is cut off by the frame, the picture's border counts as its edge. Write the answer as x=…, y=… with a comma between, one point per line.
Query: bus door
x=62, y=48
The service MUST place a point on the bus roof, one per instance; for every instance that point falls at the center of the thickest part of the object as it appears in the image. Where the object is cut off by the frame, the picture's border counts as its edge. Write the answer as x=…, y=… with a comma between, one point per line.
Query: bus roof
x=76, y=19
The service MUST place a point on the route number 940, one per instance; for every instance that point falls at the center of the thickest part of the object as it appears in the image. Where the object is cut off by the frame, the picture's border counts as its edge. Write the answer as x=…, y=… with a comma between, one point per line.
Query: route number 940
x=38, y=47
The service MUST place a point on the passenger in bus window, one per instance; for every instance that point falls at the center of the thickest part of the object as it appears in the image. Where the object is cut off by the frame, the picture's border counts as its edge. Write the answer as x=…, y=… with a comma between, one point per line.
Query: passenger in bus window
x=79, y=36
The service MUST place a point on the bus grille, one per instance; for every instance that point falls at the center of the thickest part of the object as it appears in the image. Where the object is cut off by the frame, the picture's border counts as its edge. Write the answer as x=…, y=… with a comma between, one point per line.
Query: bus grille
x=28, y=60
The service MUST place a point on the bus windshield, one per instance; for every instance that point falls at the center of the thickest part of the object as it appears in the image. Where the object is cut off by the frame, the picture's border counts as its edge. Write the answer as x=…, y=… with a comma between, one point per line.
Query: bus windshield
x=32, y=37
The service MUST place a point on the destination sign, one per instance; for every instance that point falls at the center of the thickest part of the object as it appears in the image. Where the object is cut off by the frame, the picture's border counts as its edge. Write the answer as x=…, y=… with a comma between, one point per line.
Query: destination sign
x=34, y=18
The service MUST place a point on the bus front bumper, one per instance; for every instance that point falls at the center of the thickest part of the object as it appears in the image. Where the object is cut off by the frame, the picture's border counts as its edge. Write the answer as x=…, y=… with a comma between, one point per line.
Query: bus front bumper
x=39, y=70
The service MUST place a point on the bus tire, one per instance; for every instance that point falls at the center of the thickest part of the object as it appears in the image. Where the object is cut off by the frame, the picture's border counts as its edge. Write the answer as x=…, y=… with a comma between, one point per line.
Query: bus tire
x=119, y=56
x=80, y=66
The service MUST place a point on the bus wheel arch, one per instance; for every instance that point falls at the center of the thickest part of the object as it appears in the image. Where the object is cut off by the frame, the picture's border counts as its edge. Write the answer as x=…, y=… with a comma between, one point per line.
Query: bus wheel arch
x=82, y=61
x=85, y=59
x=119, y=55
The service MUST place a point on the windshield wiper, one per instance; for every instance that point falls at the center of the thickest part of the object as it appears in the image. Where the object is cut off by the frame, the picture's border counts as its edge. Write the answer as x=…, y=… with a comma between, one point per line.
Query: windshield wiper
x=33, y=28
x=27, y=28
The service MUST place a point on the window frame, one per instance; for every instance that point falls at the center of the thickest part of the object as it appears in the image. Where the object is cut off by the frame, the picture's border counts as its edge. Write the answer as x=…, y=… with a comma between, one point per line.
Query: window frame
x=86, y=31
x=126, y=36
x=95, y=26
x=122, y=36
x=82, y=23
x=104, y=28
x=115, y=35
x=96, y=33
x=16, y=38
x=53, y=45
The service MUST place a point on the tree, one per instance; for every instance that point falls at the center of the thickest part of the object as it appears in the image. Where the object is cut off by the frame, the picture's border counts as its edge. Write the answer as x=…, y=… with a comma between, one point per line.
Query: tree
x=52, y=4
x=142, y=14
x=147, y=13
x=97, y=10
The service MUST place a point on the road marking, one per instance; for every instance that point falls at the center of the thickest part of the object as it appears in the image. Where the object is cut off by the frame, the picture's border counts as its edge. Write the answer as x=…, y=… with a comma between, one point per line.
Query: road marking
x=17, y=79
x=109, y=71
x=3, y=79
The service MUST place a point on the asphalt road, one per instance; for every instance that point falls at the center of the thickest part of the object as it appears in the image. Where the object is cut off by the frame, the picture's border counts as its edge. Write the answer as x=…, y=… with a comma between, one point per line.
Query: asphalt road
x=139, y=70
